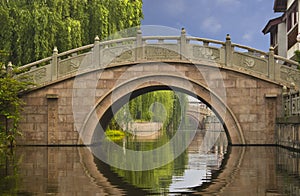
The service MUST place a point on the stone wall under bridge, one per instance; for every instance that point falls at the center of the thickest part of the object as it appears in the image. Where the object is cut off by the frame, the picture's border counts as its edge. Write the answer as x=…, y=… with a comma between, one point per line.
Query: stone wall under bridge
x=248, y=110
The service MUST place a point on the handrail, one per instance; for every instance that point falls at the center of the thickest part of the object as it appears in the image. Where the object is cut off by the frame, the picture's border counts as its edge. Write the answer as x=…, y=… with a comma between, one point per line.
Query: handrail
x=34, y=63
x=292, y=62
x=227, y=51
x=249, y=49
x=75, y=50
x=204, y=40
x=161, y=38
x=117, y=40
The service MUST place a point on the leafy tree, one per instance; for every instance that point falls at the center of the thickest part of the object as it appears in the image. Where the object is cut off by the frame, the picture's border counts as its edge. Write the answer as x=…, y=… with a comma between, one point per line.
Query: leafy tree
x=158, y=106
x=31, y=28
x=297, y=54
x=10, y=108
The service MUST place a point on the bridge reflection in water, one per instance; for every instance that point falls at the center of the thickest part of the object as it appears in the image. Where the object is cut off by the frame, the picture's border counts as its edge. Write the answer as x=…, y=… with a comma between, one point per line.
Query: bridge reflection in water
x=221, y=171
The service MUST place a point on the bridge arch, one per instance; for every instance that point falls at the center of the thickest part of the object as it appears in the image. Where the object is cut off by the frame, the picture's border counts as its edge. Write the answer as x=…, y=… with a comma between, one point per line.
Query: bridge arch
x=119, y=95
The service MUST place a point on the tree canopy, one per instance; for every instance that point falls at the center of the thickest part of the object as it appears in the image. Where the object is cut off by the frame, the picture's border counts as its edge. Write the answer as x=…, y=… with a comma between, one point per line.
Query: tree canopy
x=31, y=28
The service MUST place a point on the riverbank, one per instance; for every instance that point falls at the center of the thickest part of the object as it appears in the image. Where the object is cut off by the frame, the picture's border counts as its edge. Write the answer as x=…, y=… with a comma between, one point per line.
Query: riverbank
x=144, y=130
x=288, y=132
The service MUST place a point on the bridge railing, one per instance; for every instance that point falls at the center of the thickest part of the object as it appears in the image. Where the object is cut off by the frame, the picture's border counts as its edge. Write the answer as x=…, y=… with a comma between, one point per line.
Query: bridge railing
x=291, y=103
x=180, y=48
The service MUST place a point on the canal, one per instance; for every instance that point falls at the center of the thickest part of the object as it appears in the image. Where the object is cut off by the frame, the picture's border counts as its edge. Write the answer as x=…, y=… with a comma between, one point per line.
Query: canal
x=157, y=151
x=221, y=170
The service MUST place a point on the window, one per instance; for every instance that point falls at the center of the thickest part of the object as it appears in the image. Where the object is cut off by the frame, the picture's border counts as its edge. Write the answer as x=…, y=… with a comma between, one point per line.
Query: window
x=292, y=18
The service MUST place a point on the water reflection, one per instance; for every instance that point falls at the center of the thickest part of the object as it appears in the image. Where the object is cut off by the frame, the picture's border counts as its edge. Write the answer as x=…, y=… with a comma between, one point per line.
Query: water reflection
x=75, y=171
x=177, y=175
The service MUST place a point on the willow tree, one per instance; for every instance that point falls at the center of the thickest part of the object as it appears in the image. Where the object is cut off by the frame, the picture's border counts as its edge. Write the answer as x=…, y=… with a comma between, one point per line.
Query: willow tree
x=167, y=107
x=31, y=28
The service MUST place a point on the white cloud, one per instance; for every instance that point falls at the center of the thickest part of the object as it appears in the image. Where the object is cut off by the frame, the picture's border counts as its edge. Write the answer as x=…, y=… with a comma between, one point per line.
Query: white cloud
x=248, y=37
x=228, y=5
x=211, y=25
x=175, y=7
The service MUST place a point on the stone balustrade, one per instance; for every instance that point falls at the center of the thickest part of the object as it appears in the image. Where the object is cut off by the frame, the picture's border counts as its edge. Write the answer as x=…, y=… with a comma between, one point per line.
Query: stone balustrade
x=181, y=48
x=288, y=126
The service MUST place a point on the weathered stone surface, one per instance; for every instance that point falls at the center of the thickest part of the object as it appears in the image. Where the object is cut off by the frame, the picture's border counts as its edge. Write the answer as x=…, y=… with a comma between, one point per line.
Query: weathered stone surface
x=242, y=100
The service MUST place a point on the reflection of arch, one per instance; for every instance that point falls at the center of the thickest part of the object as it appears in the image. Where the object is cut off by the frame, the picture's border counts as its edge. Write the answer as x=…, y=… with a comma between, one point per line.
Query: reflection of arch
x=91, y=168
x=118, y=96
x=199, y=121
x=99, y=175
x=227, y=173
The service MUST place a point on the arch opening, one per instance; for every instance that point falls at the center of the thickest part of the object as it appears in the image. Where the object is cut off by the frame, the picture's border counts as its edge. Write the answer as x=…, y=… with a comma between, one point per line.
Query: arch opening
x=93, y=131
x=103, y=111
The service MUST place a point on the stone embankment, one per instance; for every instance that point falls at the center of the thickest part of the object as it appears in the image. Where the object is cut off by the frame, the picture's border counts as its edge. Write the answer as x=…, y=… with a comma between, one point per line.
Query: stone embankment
x=144, y=130
x=288, y=132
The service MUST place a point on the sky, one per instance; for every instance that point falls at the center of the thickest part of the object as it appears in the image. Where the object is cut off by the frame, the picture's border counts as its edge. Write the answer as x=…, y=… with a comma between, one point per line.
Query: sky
x=244, y=20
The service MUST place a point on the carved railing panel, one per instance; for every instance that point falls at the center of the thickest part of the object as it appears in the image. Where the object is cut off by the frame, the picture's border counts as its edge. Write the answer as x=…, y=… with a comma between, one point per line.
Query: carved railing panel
x=70, y=65
x=197, y=52
x=37, y=76
x=164, y=48
x=289, y=75
x=156, y=52
x=250, y=63
x=291, y=103
x=117, y=54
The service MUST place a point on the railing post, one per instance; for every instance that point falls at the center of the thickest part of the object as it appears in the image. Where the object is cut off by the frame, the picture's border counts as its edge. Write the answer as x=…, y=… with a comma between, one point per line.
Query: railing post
x=271, y=63
x=285, y=105
x=292, y=102
x=3, y=69
x=183, y=44
x=97, y=40
x=54, y=66
x=97, y=52
x=139, y=45
x=9, y=70
x=228, y=51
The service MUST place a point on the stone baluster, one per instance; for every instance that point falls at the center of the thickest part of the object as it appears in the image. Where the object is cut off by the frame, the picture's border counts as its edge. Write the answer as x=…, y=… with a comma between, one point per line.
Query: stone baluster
x=271, y=63
x=97, y=55
x=97, y=40
x=183, y=44
x=9, y=69
x=285, y=95
x=3, y=69
x=54, y=64
x=205, y=43
x=139, y=45
x=228, y=51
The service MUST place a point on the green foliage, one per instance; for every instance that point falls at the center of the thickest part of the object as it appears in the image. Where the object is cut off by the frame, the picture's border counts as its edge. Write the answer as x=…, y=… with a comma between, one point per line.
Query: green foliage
x=114, y=135
x=297, y=54
x=30, y=29
x=158, y=106
x=10, y=109
x=155, y=179
x=9, y=172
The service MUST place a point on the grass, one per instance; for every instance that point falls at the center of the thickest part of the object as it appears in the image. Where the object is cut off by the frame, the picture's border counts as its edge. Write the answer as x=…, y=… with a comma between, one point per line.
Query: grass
x=114, y=135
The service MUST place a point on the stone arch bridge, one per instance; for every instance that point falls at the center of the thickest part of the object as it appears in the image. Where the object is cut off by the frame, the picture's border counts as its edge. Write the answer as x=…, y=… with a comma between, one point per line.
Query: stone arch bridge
x=77, y=89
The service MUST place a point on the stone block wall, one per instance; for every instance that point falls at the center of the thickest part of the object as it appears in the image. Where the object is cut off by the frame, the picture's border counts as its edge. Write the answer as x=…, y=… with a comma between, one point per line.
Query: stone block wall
x=288, y=132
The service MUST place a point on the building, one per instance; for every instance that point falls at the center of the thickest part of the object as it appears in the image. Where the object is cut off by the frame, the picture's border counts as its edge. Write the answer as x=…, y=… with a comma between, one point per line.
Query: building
x=284, y=30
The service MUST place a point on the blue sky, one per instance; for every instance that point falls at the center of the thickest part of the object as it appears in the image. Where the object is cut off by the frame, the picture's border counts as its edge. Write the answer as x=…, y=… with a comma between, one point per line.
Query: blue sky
x=213, y=19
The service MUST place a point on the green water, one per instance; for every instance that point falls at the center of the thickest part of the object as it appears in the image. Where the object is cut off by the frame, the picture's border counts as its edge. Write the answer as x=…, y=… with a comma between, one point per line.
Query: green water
x=221, y=170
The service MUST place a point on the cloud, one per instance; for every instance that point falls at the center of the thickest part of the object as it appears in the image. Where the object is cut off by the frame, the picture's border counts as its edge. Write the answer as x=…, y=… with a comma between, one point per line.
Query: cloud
x=248, y=37
x=211, y=25
x=175, y=7
x=228, y=5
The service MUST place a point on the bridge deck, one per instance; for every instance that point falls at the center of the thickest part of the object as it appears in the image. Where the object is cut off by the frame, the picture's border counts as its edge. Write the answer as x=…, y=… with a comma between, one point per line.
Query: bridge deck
x=226, y=55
